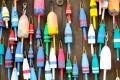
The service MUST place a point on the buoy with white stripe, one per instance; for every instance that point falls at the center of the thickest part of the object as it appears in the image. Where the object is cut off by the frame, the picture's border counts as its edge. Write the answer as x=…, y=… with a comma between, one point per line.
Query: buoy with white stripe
x=104, y=6
x=85, y=64
x=101, y=36
x=117, y=41
x=14, y=73
x=53, y=61
x=14, y=21
x=61, y=60
x=1, y=51
x=8, y=61
x=83, y=20
x=26, y=68
x=95, y=65
x=48, y=73
x=75, y=70
x=39, y=10
x=93, y=11
x=18, y=56
x=113, y=9
x=105, y=58
x=40, y=58
x=33, y=75
x=12, y=39
x=68, y=67
x=91, y=37
x=68, y=36
x=23, y=26
x=2, y=24
x=68, y=11
x=117, y=78
x=5, y=13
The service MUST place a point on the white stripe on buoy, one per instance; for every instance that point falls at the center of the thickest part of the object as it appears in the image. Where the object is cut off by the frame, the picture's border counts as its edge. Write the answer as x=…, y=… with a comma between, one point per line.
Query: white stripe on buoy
x=18, y=55
x=116, y=40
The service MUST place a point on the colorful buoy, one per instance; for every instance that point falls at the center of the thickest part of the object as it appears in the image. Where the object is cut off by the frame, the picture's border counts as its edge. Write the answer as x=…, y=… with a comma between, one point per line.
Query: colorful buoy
x=39, y=10
x=93, y=11
x=105, y=58
x=33, y=75
x=83, y=20
x=68, y=36
x=113, y=9
x=69, y=68
x=14, y=73
x=101, y=36
x=1, y=52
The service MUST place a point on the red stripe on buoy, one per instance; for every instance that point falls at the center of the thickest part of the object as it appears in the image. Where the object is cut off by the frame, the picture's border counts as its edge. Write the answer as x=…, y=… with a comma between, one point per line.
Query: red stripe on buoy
x=82, y=23
x=8, y=64
x=83, y=20
x=85, y=70
x=85, y=67
x=30, y=53
x=38, y=34
x=8, y=59
x=40, y=60
x=26, y=71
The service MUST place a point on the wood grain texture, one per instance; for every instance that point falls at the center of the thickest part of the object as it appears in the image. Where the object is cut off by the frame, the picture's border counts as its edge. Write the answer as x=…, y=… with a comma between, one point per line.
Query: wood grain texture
x=78, y=42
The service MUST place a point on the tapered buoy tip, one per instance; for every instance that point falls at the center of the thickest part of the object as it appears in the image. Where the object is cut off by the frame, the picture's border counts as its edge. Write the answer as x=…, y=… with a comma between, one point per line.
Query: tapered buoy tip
x=85, y=38
x=117, y=59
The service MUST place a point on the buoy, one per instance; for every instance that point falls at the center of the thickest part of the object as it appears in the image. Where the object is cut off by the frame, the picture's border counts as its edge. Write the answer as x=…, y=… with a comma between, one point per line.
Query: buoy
x=2, y=24
x=104, y=6
x=48, y=73
x=30, y=55
x=68, y=36
x=39, y=10
x=40, y=58
x=8, y=61
x=113, y=9
x=1, y=52
x=23, y=26
x=83, y=20
x=14, y=21
x=14, y=73
x=117, y=41
x=53, y=61
x=33, y=75
x=26, y=68
x=93, y=11
x=12, y=39
x=85, y=64
x=95, y=64
x=68, y=11
x=5, y=13
x=75, y=70
x=117, y=78
x=91, y=37
x=105, y=58
x=46, y=38
x=101, y=36
x=61, y=60
x=18, y=57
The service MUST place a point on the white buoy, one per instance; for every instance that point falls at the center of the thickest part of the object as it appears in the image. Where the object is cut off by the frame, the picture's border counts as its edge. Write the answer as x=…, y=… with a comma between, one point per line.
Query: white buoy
x=91, y=37
x=26, y=69
x=14, y=74
x=105, y=59
x=53, y=62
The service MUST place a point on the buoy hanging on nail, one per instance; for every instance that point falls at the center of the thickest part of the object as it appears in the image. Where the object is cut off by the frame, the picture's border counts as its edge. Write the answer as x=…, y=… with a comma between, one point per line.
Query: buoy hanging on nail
x=12, y=39
x=2, y=24
x=26, y=68
x=113, y=9
x=105, y=58
x=61, y=60
x=104, y=6
x=8, y=61
x=85, y=64
x=40, y=58
x=68, y=36
x=68, y=11
x=33, y=75
x=30, y=55
x=83, y=20
x=14, y=73
x=101, y=36
x=14, y=21
x=23, y=26
x=75, y=70
x=95, y=65
x=1, y=51
x=91, y=38
x=39, y=10
x=18, y=56
x=93, y=12
x=5, y=13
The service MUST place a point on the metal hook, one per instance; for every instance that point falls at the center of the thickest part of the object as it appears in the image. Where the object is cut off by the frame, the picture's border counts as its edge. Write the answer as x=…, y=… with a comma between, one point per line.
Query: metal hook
x=60, y=44
x=40, y=42
x=117, y=72
x=75, y=60
x=106, y=38
x=84, y=49
x=25, y=54
x=68, y=57
x=24, y=8
x=68, y=2
x=14, y=64
x=94, y=50
x=3, y=3
x=31, y=19
x=81, y=5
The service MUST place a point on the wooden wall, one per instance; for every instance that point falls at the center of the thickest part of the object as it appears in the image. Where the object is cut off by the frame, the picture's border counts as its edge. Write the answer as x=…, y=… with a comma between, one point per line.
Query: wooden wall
x=78, y=42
